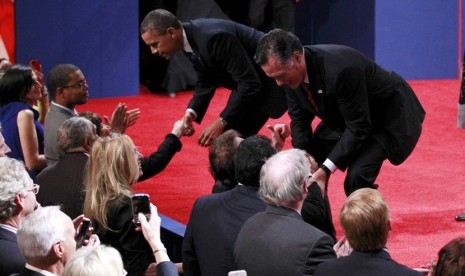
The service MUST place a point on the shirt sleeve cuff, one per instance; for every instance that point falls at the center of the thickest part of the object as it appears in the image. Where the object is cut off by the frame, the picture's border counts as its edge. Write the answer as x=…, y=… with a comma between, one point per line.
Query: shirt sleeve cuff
x=330, y=165
x=192, y=112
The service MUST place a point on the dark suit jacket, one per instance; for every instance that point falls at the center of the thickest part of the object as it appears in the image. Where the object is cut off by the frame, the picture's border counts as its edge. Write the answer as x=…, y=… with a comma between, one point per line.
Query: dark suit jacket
x=360, y=264
x=278, y=242
x=213, y=226
x=27, y=272
x=226, y=51
x=360, y=99
x=167, y=269
x=11, y=260
x=63, y=183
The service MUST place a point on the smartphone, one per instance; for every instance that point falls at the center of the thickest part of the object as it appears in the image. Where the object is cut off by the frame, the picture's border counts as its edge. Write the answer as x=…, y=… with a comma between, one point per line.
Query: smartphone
x=140, y=204
x=37, y=67
x=83, y=233
x=237, y=273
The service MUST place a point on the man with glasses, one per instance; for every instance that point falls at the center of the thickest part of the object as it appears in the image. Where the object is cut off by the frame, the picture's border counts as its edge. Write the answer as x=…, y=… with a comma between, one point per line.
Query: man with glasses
x=68, y=88
x=17, y=200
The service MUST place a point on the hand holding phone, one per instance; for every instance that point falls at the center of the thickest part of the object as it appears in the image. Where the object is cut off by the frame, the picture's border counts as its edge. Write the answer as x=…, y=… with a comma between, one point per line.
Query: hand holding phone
x=83, y=233
x=140, y=204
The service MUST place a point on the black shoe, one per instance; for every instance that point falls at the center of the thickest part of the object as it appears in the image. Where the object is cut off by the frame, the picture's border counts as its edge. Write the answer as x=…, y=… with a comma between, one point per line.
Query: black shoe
x=460, y=217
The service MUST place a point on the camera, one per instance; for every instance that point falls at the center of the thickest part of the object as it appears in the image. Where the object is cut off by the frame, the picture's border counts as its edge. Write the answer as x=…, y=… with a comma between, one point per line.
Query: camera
x=140, y=204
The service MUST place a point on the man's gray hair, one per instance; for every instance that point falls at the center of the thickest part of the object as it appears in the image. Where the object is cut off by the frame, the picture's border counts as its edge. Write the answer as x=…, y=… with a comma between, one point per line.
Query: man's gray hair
x=158, y=21
x=283, y=176
x=13, y=181
x=38, y=231
x=73, y=133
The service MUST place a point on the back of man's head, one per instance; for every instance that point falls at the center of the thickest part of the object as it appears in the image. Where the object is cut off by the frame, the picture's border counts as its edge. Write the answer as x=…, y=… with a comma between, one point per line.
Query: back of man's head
x=283, y=178
x=250, y=157
x=13, y=181
x=451, y=259
x=365, y=220
x=158, y=21
x=221, y=157
x=76, y=132
x=58, y=77
x=46, y=237
x=102, y=260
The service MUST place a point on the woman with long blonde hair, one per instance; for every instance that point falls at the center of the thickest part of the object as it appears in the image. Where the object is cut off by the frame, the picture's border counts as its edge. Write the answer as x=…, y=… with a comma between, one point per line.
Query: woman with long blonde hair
x=113, y=167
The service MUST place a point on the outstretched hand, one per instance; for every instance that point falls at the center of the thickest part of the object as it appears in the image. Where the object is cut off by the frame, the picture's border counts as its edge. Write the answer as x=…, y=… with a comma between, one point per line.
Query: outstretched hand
x=279, y=133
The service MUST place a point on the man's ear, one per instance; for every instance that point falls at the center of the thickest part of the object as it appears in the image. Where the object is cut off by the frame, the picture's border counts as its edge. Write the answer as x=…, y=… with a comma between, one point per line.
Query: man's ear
x=88, y=142
x=19, y=201
x=389, y=225
x=58, y=249
x=171, y=32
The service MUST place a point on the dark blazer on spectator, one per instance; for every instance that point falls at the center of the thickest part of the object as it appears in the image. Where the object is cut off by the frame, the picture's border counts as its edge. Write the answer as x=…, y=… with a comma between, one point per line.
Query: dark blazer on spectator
x=365, y=264
x=11, y=260
x=213, y=226
x=278, y=242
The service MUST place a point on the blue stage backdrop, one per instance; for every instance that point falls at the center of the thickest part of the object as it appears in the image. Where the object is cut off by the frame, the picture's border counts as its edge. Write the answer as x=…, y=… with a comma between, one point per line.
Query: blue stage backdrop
x=100, y=37
x=417, y=39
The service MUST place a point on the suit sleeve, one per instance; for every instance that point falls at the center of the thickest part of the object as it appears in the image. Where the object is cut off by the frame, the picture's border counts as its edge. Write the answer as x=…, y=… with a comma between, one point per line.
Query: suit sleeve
x=352, y=99
x=322, y=251
x=167, y=269
x=190, y=263
x=227, y=53
x=301, y=121
x=159, y=159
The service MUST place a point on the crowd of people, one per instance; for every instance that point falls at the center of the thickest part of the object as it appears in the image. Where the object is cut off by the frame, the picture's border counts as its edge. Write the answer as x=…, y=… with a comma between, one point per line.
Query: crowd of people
x=269, y=213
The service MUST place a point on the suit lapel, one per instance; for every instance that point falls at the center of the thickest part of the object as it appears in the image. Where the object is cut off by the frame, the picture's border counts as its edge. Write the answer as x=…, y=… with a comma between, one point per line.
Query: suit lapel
x=316, y=76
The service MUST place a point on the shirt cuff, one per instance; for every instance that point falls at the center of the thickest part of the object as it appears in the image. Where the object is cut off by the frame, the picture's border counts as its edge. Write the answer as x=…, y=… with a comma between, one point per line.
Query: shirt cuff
x=330, y=165
x=192, y=112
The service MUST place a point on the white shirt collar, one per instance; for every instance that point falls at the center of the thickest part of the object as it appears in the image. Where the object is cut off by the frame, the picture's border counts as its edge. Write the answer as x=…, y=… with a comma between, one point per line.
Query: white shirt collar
x=71, y=111
x=187, y=46
x=44, y=272
x=8, y=227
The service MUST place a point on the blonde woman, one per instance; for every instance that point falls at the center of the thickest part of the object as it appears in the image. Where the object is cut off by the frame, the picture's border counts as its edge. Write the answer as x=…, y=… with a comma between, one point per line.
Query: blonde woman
x=113, y=167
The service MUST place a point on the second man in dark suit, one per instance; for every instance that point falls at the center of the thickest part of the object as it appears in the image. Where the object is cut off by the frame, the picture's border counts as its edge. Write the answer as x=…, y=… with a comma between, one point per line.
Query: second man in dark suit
x=222, y=53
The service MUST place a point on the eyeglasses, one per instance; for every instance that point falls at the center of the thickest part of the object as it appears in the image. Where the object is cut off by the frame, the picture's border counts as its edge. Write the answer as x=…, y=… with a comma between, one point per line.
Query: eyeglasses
x=35, y=189
x=80, y=84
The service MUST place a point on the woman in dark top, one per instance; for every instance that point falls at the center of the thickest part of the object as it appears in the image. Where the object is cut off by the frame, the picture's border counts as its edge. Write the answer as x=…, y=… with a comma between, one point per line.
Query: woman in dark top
x=113, y=167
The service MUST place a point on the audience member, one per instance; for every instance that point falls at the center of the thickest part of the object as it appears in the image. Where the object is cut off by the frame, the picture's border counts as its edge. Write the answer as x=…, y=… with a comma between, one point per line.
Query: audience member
x=63, y=182
x=19, y=91
x=348, y=93
x=451, y=259
x=159, y=159
x=222, y=54
x=17, y=200
x=266, y=14
x=278, y=241
x=216, y=219
x=113, y=167
x=68, y=88
x=366, y=223
x=221, y=156
x=46, y=241
x=100, y=261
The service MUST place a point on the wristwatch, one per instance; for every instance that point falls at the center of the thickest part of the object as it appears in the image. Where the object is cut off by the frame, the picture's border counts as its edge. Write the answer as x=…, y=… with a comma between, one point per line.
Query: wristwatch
x=326, y=170
x=223, y=121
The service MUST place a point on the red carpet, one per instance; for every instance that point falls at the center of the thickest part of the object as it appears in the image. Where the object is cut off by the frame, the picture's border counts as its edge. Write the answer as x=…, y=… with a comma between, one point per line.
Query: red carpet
x=424, y=193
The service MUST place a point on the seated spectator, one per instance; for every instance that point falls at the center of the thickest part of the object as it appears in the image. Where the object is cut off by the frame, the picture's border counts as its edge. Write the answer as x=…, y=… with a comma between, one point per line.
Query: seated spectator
x=366, y=223
x=70, y=79
x=451, y=259
x=221, y=155
x=113, y=167
x=278, y=241
x=216, y=219
x=63, y=182
x=159, y=159
x=19, y=91
x=103, y=260
x=17, y=200
x=46, y=241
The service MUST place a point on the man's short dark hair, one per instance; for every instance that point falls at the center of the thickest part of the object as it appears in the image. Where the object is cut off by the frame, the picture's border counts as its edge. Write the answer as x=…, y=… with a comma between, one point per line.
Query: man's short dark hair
x=59, y=77
x=279, y=43
x=250, y=157
x=221, y=157
x=159, y=21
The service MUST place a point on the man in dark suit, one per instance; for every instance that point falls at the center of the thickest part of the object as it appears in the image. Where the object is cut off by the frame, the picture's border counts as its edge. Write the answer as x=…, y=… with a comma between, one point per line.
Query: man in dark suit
x=216, y=219
x=368, y=114
x=17, y=200
x=366, y=222
x=63, y=182
x=222, y=54
x=278, y=241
